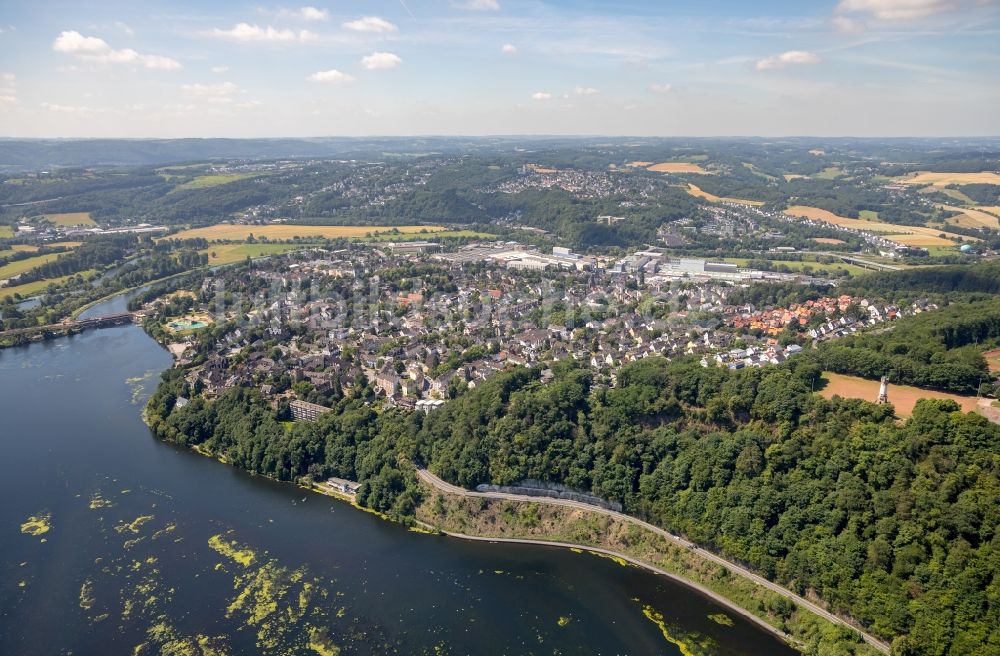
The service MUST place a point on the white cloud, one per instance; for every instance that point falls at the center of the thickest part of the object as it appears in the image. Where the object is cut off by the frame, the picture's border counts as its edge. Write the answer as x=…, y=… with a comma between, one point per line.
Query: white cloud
x=380, y=60
x=124, y=27
x=902, y=9
x=585, y=91
x=8, y=100
x=332, y=75
x=92, y=48
x=478, y=5
x=307, y=13
x=67, y=109
x=220, y=69
x=848, y=25
x=509, y=49
x=372, y=24
x=206, y=90
x=8, y=77
x=541, y=95
x=246, y=33
x=661, y=88
x=787, y=58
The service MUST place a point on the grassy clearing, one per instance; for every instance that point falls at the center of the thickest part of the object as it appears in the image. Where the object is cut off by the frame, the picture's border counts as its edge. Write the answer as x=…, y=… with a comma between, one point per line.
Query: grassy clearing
x=902, y=397
x=677, y=167
x=950, y=193
x=70, y=219
x=817, y=214
x=32, y=288
x=921, y=240
x=868, y=215
x=695, y=191
x=213, y=180
x=228, y=253
x=944, y=179
x=231, y=232
x=20, y=266
x=830, y=173
x=793, y=176
x=6, y=232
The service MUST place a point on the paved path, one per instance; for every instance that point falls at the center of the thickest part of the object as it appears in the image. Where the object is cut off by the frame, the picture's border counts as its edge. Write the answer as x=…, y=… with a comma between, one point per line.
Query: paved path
x=436, y=482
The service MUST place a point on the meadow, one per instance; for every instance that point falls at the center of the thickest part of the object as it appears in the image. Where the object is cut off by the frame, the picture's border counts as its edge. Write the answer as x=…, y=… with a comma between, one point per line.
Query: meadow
x=797, y=265
x=970, y=218
x=20, y=266
x=228, y=253
x=32, y=288
x=234, y=232
x=902, y=397
x=69, y=219
x=213, y=180
x=695, y=191
x=6, y=231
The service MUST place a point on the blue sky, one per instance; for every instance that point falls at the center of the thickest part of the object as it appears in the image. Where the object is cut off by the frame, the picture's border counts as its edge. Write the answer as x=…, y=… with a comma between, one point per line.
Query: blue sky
x=403, y=67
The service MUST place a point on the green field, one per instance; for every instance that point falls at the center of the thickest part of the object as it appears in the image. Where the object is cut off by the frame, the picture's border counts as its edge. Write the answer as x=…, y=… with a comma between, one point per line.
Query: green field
x=6, y=231
x=214, y=180
x=32, y=288
x=868, y=215
x=20, y=266
x=228, y=253
x=68, y=219
x=793, y=265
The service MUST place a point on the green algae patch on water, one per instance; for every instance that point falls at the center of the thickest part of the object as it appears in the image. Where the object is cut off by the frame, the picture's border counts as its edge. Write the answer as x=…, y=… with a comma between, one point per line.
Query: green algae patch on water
x=87, y=594
x=135, y=525
x=37, y=524
x=656, y=617
x=321, y=644
x=722, y=619
x=617, y=559
x=231, y=549
x=97, y=501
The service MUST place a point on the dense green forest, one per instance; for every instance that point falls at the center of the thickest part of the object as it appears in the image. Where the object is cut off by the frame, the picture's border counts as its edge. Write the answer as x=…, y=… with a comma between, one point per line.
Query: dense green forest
x=893, y=524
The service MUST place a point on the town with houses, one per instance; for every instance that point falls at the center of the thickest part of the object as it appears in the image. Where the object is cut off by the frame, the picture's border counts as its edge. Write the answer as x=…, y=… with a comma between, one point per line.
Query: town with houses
x=417, y=325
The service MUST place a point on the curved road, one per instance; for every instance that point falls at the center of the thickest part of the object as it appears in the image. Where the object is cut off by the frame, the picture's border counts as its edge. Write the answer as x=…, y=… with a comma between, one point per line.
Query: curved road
x=436, y=482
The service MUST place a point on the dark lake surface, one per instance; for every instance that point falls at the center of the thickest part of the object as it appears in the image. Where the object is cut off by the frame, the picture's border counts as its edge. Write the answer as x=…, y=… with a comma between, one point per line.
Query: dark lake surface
x=153, y=546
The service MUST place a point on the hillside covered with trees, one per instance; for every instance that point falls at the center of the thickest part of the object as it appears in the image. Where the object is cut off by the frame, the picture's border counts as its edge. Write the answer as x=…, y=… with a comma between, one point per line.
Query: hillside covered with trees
x=892, y=524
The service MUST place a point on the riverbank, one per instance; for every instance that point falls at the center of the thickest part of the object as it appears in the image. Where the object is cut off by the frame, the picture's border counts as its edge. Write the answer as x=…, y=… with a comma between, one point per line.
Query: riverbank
x=538, y=521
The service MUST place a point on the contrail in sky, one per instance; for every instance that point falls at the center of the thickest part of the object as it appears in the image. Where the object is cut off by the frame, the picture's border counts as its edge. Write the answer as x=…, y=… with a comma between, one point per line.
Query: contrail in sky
x=407, y=10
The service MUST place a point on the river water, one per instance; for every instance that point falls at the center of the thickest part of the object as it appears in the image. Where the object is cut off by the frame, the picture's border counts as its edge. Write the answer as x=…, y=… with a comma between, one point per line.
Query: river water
x=112, y=540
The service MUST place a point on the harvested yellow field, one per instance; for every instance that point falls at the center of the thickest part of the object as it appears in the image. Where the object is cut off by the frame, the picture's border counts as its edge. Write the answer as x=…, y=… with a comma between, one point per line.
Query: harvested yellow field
x=992, y=209
x=70, y=219
x=817, y=152
x=902, y=397
x=66, y=244
x=945, y=179
x=695, y=191
x=920, y=240
x=232, y=232
x=677, y=167
x=542, y=169
x=971, y=218
x=640, y=165
x=828, y=240
x=793, y=176
x=817, y=214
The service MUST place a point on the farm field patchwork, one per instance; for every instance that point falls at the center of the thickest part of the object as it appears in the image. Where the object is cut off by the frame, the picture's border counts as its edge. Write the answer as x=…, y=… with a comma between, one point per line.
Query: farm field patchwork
x=892, y=230
x=233, y=232
x=971, y=218
x=944, y=179
x=902, y=397
x=695, y=191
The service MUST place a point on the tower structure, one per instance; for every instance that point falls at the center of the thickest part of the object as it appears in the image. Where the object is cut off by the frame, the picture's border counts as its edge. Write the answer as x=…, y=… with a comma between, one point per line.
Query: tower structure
x=883, y=391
